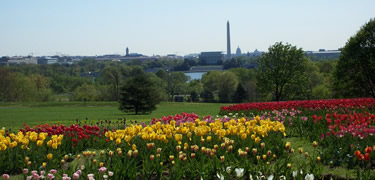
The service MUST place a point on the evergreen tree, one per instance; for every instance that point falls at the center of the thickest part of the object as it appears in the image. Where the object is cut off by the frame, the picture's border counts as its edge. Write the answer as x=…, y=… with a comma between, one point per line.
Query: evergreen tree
x=139, y=95
x=240, y=95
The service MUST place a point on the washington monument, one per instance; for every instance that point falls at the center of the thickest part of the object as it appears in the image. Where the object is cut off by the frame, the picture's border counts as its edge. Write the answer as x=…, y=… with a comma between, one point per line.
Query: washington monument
x=229, y=54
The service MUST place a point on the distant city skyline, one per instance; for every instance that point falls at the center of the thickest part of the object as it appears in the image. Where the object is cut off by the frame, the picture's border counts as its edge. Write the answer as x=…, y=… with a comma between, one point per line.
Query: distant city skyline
x=94, y=27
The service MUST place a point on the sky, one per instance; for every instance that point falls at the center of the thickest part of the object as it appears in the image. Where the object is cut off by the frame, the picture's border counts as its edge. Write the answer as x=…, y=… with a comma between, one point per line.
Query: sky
x=161, y=27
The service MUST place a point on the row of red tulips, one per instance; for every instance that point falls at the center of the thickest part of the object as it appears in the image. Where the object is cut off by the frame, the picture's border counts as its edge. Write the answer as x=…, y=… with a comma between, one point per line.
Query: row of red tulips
x=306, y=104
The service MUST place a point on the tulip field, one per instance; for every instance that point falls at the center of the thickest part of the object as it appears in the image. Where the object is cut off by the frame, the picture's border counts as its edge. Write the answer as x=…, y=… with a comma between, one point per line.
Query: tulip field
x=244, y=141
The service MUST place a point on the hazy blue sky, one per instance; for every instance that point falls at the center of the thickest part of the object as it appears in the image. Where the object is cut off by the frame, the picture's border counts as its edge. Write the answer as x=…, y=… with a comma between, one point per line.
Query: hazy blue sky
x=97, y=27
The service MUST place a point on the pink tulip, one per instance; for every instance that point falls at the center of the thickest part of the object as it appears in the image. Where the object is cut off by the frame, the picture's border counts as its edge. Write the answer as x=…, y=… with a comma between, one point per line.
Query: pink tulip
x=75, y=176
x=34, y=172
x=53, y=171
x=50, y=176
x=102, y=169
x=42, y=172
x=29, y=177
x=79, y=172
x=25, y=171
x=5, y=176
x=110, y=173
x=36, y=176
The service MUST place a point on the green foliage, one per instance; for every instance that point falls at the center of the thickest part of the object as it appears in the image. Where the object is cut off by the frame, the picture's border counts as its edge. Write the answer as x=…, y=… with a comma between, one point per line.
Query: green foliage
x=176, y=83
x=282, y=73
x=85, y=92
x=222, y=83
x=17, y=87
x=354, y=76
x=139, y=95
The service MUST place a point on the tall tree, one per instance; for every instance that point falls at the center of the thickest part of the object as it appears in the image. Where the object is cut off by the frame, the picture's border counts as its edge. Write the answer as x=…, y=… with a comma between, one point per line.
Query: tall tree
x=282, y=72
x=240, y=95
x=139, y=95
x=112, y=75
x=354, y=75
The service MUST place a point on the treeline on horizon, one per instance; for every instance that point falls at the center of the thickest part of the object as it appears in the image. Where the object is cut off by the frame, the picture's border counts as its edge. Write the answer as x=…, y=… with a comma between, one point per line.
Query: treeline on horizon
x=91, y=80
x=284, y=72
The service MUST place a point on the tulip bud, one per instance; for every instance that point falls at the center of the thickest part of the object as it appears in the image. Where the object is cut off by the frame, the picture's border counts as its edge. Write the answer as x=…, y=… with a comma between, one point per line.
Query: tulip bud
x=255, y=151
x=231, y=142
x=172, y=162
x=157, y=155
x=269, y=153
x=258, y=157
x=300, y=150
x=135, y=153
x=216, y=147
x=158, y=150
x=178, y=148
x=196, y=148
x=110, y=153
x=152, y=157
x=264, y=156
x=222, y=158
x=129, y=154
x=192, y=155
x=292, y=151
x=315, y=144
x=171, y=157
x=287, y=145
x=262, y=145
x=289, y=165
x=318, y=158
x=230, y=148
x=306, y=154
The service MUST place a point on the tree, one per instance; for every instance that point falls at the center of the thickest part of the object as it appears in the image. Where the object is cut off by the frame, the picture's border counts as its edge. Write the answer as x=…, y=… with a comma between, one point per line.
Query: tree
x=85, y=92
x=176, y=83
x=354, y=75
x=240, y=95
x=139, y=95
x=222, y=83
x=112, y=75
x=282, y=73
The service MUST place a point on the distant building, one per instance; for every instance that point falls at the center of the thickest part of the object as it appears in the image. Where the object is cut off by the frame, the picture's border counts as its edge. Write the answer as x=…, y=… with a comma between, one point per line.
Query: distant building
x=210, y=58
x=238, y=51
x=22, y=60
x=47, y=60
x=323, y=54
x=127, y=51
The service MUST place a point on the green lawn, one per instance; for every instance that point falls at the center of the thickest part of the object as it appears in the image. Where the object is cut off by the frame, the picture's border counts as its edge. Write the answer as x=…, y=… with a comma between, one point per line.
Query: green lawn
x=14, y=115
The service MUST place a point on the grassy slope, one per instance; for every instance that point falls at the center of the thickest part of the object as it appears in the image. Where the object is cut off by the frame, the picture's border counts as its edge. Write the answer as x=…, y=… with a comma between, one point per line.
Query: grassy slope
x=14, y=115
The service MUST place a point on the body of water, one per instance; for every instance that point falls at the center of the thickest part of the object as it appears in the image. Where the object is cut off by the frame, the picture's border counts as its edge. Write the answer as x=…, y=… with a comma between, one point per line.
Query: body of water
x=195, y=75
